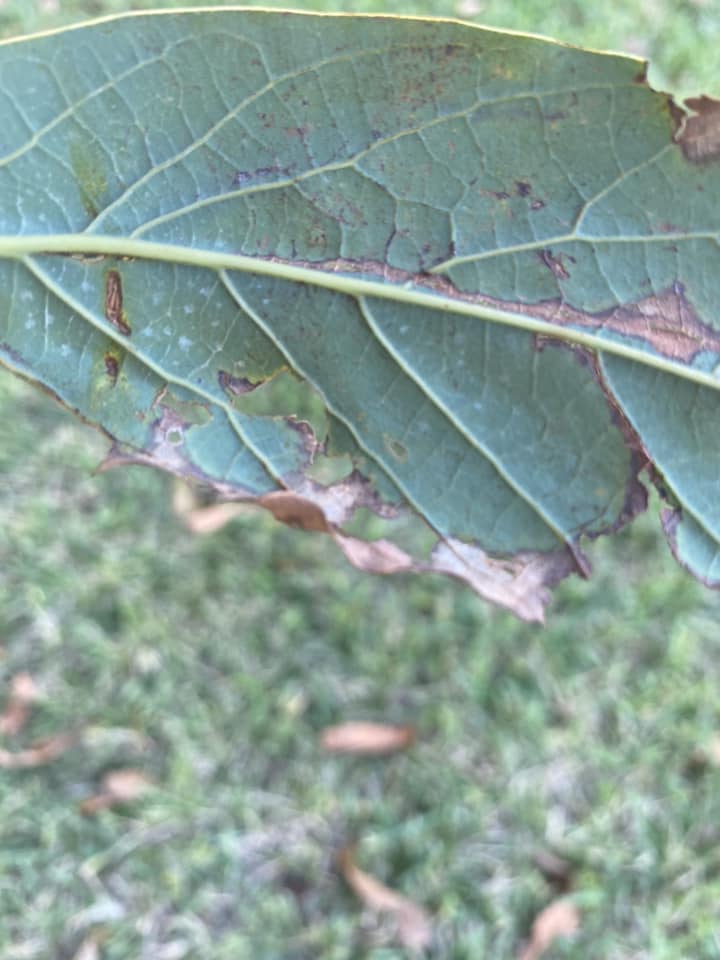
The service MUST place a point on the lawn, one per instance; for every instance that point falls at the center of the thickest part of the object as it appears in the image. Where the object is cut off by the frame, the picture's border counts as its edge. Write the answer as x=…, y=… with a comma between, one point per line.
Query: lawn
x=213, y=664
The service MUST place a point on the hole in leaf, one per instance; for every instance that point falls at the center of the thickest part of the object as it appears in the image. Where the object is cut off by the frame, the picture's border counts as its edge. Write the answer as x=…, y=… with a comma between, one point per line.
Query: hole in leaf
x=285, y=395
x=329, y=470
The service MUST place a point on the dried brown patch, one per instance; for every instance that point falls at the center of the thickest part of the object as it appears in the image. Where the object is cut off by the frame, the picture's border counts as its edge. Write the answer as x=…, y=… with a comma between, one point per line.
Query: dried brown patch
x=295, y=511
x=520, y=584
x=374, y=556
x=667, y=322
x=340, y=500
x=699, y=133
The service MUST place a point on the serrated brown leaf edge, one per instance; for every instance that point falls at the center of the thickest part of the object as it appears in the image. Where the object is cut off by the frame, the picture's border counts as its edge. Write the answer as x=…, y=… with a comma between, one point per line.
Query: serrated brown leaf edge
x=520, y=584
x=671, y=518
x=666, y=322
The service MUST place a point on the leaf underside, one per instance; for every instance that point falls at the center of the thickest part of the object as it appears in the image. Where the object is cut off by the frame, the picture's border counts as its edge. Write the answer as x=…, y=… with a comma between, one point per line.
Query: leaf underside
x=489, y=263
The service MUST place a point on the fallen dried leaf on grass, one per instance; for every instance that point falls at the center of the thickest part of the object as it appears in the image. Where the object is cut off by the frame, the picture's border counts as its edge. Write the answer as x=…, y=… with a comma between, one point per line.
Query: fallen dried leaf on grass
x=39, y=754
x=556, y=870
x=705, y=757
x=412, y=923
x=89, y=949
x=23, y=693
x=561, y=918
x=370, y=739
x=202, y=520
x=116, y=787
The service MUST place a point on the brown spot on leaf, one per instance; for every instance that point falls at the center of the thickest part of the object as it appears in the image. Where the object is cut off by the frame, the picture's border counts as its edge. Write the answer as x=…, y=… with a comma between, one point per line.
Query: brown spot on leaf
x=555, y=264
x=114, y=313
x=699, y=132
x=112, y=367
x=235, y=386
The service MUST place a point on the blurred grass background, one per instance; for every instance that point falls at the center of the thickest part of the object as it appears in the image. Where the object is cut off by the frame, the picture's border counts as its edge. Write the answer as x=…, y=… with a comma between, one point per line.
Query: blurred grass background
x=213, y=664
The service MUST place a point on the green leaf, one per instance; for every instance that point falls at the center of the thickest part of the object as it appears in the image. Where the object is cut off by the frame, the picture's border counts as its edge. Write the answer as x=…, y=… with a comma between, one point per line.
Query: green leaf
x=491, y=262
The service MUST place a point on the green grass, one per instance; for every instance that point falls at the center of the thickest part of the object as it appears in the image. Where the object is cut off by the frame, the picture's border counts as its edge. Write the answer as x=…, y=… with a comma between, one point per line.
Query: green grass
x=213, y=664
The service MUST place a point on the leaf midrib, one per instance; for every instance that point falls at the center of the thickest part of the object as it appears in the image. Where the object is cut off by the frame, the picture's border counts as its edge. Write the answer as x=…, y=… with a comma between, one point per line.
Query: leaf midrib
x=17, y=248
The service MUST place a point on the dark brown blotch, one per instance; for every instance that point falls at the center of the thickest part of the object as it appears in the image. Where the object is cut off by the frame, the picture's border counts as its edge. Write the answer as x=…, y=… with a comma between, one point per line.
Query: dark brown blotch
x=114, y=312
x=236, y=386
x=555, y=264
x=112, y=367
